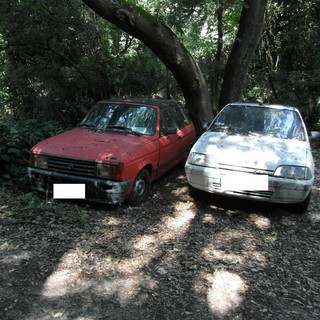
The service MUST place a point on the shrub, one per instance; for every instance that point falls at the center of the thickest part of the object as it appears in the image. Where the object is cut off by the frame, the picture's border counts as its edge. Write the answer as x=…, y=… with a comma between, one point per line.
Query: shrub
x=16, y=139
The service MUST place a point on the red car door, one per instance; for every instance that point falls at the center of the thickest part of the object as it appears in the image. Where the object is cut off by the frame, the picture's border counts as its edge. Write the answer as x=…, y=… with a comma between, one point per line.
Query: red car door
x=170, y=144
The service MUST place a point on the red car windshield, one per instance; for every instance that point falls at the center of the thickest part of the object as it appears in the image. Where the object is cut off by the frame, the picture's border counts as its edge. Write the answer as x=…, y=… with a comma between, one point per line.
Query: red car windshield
x=137, y=119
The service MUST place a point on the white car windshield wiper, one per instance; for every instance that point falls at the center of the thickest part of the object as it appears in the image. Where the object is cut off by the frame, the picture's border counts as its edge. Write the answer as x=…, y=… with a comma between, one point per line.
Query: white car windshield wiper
x=225, y=128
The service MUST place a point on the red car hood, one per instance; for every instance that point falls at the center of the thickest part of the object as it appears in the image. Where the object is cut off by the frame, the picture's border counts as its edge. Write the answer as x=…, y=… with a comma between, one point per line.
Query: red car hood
x=90, y=145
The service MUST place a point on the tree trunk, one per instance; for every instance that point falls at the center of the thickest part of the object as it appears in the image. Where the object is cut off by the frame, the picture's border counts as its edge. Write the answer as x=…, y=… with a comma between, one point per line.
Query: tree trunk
x=162, y=41
x=216, y=74
x=250, y=26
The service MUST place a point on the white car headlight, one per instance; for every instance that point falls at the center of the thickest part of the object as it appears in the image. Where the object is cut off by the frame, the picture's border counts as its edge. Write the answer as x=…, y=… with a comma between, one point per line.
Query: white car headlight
x=198, y=159
x=111, y=171
x=293, y=172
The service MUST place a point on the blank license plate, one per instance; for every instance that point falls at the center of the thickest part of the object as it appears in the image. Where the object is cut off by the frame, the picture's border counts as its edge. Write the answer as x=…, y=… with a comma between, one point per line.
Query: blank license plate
x=247, y=182
x=69, y=191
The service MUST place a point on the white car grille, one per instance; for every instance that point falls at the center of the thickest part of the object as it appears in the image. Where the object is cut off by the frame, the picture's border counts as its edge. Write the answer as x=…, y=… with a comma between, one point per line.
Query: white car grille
x=244, y=169
x=255, y=193
x=249, y=193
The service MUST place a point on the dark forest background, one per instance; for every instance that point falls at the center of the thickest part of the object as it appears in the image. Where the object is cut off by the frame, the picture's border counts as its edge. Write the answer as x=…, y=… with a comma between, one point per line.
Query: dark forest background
x=57, y=58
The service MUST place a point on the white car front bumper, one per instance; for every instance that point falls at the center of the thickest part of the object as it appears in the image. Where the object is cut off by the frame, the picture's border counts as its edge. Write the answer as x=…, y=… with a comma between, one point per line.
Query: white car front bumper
x=279, y=190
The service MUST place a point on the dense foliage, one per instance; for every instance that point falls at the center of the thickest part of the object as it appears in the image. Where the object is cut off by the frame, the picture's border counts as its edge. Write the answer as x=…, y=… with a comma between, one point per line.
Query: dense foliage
x=16, y=139
x=58, y=57
x=289, y=55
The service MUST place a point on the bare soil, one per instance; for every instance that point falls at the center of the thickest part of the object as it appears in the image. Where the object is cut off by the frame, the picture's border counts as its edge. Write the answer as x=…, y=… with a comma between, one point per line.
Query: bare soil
x=171, y=258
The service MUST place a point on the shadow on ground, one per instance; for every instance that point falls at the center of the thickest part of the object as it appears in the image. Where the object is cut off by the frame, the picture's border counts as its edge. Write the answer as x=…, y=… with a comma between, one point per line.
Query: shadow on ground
x=171, y=258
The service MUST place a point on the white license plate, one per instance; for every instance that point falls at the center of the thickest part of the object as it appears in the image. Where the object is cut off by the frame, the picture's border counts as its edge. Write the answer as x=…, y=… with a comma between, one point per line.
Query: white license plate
x=247, y=182
x=69, y=191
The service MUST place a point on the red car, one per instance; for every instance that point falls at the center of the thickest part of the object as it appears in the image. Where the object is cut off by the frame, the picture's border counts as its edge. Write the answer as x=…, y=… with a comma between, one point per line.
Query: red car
x=116, y=151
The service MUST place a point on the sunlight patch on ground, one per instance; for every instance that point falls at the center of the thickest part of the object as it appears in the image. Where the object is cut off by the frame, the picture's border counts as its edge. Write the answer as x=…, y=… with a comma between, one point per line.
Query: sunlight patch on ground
x=243, y=253
x=62, y=282
x=170, y=227
x=112, y=221
x=209, y=218
x=148, y=247
x=124, y=289
x=180, y=222
x=144, y=242
x=122, y=277
x=261, y=222
x=17, y=258
x=315, y=217
x=224, y=291
x=211, y=255
x=245, y=257
x=181, y=190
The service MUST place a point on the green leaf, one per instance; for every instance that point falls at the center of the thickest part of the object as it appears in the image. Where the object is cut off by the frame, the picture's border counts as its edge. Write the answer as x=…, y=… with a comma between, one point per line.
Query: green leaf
x=57, y=209
x=5, y=157
x=14, y=150
x=35, y=206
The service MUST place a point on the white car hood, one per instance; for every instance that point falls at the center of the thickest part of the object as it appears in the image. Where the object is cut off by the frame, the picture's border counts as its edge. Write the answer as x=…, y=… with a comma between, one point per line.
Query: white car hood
x=258, y=152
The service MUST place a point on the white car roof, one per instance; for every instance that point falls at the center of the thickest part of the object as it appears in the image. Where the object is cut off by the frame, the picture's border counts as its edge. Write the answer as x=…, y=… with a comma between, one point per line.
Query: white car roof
x=262, y=105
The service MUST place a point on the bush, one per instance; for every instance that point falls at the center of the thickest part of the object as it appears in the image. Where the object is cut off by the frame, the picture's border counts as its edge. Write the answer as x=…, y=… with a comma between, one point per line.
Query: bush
x=16, y=139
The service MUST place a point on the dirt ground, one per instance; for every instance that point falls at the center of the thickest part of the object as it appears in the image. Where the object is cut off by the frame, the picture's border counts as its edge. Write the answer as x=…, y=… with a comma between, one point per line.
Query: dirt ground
x=171, y=258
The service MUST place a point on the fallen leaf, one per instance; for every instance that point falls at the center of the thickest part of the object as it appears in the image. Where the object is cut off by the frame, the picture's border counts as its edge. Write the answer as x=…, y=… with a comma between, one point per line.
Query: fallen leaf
x=58, y=315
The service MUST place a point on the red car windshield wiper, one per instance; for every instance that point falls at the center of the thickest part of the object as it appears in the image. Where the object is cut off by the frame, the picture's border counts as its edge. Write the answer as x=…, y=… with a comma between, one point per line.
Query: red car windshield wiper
x=124, y=129
x=87, y=125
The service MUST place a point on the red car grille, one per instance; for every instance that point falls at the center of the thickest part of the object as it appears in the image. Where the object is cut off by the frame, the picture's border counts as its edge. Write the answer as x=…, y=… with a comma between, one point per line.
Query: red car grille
x=72, y=166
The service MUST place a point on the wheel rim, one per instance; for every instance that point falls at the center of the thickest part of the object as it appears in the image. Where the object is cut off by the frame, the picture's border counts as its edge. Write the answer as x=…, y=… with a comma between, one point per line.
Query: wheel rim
x=139, y=188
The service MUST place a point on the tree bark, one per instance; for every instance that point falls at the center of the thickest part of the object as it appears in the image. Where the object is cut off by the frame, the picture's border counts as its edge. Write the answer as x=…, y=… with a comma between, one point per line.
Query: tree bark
x=163, y=42
x=216, y=74
x=250, y=26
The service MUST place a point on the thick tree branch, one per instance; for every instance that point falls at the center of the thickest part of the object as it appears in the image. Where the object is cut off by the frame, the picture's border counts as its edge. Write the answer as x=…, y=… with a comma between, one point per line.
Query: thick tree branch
x=163, y=42
x=250, y=26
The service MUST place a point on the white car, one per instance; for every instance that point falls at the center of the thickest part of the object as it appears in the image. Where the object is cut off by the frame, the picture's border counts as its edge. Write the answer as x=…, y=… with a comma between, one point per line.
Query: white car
x=254, y=151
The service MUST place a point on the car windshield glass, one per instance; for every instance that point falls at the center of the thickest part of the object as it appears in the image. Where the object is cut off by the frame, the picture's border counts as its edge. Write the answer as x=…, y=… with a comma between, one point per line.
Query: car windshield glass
x=135, y=119
x=247, y=120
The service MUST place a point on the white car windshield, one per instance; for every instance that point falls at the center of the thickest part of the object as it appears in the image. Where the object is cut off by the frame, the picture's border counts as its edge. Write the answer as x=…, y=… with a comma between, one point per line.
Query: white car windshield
x=266, y=121
x=136, y=119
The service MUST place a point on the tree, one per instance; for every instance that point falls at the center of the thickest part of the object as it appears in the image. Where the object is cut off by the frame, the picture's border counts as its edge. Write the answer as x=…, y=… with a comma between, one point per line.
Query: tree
x=55, y=57
x=51, y=64
x=250, y=26
x=163, y=42
x=290, y=54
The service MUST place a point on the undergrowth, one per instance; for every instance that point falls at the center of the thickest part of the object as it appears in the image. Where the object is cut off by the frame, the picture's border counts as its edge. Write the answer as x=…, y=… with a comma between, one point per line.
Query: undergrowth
x=16, y=139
